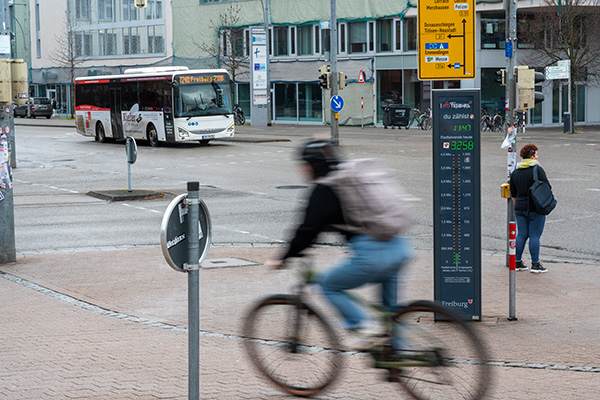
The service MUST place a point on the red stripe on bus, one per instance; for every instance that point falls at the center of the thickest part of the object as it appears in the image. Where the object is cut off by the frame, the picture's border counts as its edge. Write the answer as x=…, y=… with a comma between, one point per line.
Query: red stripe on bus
x=146, y=78
x=94, y=81
x=87, y=107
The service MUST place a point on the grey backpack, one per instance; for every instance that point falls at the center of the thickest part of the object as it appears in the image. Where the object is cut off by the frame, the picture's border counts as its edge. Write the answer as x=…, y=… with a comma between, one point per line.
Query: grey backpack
x=373, y=203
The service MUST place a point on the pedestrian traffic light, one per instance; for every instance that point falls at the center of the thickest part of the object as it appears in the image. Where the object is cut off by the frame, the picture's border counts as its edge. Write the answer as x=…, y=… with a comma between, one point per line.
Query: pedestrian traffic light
x=501, y=76
x=325, y=77
x=343, y=78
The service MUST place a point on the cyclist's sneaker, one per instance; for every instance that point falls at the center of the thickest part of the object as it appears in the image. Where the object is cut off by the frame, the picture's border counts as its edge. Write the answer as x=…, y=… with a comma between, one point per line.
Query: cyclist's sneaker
x=368, y=336
x=521, y=267
x=538, y=268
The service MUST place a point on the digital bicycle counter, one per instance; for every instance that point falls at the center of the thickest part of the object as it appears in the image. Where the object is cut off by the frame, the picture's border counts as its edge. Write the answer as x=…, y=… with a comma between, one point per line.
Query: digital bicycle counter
x=457, y=201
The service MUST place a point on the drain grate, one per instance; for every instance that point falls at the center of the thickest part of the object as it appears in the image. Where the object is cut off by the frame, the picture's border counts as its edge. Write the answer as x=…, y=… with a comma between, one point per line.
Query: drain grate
x=227, y=262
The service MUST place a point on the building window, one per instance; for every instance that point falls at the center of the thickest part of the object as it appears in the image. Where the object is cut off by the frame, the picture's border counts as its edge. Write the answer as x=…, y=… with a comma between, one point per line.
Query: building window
x=357, y=37
x=410, y=34
x=154, y=9
x=83, y=9
x=105, y=10
x=156, y=39
x=130, y=13
x=398, y=35
x=342, y=41
x=131, y=41
x=82, y=42
x=108, y=43
x=493, y=31
x=384, y=35
x=317, y=39
x=280, y=41
x=305, y=40
x=232, y=42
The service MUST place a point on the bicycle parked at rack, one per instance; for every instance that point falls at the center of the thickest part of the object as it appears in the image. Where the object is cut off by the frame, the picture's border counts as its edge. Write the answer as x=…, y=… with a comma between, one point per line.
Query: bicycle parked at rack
x=421, y=118
x=238, y=115
x=491, y=123
x=294, y=346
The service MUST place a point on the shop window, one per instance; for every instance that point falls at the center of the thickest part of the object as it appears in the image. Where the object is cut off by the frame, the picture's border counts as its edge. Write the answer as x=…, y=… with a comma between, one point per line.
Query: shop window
x=285, y=101
x=310, y=105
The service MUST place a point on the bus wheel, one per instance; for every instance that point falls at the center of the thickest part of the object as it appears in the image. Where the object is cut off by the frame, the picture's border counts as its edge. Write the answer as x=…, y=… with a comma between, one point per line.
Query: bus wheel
x=100, y=134
x=152, y=136
x=204, y=142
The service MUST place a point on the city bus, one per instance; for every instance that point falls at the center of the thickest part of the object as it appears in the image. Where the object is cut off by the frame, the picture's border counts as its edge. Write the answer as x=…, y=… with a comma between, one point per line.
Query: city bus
x=163, y=104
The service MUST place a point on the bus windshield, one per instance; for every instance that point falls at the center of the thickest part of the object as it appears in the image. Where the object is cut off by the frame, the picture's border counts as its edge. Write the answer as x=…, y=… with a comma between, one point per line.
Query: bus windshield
x=202, y=99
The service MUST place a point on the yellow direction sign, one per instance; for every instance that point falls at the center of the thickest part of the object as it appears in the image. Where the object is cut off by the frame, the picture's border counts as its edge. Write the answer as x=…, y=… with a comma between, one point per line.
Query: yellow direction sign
x=446, y=39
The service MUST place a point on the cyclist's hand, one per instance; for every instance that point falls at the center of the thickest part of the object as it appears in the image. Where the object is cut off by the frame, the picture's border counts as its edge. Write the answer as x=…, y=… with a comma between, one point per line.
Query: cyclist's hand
x=275, y=264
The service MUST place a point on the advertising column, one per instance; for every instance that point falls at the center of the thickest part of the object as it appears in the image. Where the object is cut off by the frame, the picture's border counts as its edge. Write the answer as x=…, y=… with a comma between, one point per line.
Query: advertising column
x=457, y=201
x=258, y=76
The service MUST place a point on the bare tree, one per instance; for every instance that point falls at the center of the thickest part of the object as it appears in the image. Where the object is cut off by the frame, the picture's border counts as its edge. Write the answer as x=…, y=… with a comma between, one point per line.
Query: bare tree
x=69, y=55
x=565, y=30
x=228, y=51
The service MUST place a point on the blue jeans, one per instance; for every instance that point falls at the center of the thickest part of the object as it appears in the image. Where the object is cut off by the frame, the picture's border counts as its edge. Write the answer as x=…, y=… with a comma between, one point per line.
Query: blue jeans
x=372, y=261
x=529, y=226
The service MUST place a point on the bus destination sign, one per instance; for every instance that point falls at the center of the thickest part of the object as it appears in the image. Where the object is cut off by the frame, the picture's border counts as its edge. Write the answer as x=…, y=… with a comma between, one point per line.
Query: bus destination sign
x=195, y=79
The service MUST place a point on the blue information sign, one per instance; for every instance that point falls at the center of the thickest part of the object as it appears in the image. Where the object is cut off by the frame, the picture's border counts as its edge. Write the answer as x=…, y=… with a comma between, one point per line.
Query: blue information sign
x=337, y=103
x=457, y=201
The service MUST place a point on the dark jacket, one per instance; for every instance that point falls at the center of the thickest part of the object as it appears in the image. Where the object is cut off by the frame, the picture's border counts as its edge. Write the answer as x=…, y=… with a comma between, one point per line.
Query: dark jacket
x=324, y=210
x=520, y=181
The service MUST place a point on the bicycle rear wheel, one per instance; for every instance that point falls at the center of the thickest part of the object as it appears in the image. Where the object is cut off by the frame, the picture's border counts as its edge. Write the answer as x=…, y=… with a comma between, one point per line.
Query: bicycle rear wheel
x=292, y=345
x=456, y=359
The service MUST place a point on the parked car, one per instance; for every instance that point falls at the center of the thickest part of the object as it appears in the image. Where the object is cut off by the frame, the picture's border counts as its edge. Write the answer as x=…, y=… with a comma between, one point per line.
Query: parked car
x=39, y=106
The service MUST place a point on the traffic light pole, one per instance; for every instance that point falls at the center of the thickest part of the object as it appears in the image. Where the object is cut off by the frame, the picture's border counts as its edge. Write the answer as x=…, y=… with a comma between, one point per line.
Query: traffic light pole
x=335, y=137
x=511, y=100
x=8, y=251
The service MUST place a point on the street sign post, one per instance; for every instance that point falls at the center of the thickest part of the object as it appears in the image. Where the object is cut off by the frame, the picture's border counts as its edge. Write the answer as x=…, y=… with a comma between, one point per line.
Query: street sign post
x=446, y=39
x=337, y=103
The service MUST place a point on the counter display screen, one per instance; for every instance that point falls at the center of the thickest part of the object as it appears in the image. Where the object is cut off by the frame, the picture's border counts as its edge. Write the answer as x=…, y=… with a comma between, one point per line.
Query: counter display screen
x=457, y=220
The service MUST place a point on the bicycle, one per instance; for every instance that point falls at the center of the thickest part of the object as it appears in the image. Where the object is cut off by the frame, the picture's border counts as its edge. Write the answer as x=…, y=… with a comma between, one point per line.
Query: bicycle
x=422, y=118
x=238, y=115
x=297, y=349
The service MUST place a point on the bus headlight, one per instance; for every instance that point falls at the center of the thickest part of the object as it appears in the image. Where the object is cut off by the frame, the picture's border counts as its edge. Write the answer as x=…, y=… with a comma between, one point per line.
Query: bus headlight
x=183, y=133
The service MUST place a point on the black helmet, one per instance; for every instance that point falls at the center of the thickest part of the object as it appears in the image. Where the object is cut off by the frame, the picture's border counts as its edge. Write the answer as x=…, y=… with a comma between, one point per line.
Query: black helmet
x=320, y=154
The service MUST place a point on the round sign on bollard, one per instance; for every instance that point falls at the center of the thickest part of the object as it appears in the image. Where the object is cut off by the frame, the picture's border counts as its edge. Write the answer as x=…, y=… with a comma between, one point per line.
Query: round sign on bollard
x=174, y=232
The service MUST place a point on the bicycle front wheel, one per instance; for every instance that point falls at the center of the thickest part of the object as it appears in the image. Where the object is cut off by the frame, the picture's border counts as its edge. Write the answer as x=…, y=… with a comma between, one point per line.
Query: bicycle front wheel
x=427, y=124
x=444, y=359
x=292, y=345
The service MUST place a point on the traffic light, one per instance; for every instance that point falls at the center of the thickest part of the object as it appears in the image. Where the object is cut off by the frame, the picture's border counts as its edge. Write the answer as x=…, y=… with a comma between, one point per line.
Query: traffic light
x=527, y=78
x=343, y=78
x=526, y=88
x=500, y=77
x=325, y=77
x=539, y=79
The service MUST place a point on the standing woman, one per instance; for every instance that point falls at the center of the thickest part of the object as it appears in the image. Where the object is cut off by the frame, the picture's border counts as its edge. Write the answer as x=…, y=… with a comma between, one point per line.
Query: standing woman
x=530, y=224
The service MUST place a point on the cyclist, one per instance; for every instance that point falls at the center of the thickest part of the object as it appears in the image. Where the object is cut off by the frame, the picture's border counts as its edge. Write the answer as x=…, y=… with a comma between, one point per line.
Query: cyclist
x=371, y=260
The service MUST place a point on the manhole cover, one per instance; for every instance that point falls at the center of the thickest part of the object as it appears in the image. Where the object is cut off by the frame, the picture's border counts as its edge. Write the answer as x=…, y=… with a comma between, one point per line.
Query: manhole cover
x=227, y=262
x=288, y=187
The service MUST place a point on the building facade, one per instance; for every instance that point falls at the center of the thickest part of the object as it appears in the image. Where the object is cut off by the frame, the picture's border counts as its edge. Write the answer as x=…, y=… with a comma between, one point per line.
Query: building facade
x=74, y=38
x=63, y=39
x=377, y=37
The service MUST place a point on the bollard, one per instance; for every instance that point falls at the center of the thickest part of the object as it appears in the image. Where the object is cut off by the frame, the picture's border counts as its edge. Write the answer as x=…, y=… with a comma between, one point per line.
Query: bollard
x=512, y=256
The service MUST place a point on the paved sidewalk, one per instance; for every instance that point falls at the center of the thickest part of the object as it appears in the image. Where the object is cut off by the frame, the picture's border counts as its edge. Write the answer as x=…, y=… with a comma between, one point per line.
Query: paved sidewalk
x=112, y=325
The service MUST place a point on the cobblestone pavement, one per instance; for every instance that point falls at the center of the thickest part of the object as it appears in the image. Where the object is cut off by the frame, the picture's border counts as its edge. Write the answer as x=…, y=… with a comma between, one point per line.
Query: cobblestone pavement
x=112, y=325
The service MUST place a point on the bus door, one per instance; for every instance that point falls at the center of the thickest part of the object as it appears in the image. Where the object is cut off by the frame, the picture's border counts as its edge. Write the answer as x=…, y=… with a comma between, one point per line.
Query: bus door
x=115, y=112
x=168, y=112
